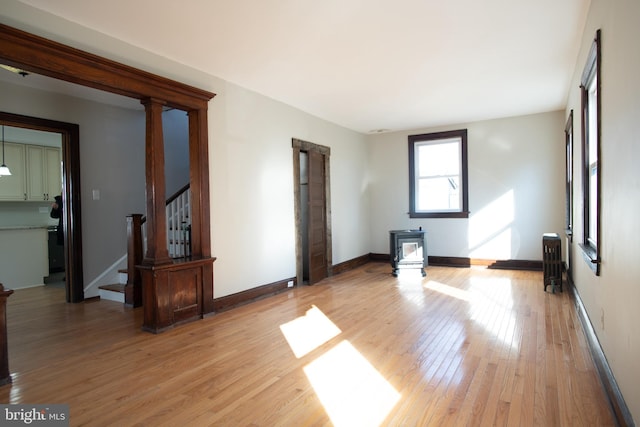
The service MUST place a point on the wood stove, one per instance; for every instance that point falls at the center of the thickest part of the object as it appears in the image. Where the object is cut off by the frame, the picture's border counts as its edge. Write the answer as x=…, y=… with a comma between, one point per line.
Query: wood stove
x=407, y=250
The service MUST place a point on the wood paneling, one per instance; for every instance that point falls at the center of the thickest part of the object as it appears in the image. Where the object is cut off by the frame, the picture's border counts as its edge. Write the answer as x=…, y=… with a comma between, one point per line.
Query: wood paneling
x=462, y=346
x=175, y=293
x=317, y=232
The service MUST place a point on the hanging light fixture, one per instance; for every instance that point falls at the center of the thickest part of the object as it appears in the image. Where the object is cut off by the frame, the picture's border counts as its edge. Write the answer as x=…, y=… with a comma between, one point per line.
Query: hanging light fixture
x=4, y=170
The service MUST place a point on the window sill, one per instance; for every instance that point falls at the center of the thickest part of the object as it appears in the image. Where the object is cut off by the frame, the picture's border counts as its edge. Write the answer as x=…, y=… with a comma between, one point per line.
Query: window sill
x=590, y=256
x=438, y=214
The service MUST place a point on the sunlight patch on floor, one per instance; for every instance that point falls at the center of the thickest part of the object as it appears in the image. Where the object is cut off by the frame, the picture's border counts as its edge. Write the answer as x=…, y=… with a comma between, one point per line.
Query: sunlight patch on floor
x=351, y=390
x=306, y=333
x=491, y=305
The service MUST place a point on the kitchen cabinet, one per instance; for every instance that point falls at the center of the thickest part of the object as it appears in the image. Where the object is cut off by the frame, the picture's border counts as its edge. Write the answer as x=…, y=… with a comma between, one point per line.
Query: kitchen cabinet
x=14, y=186
x=36, y=173
x=44, y=174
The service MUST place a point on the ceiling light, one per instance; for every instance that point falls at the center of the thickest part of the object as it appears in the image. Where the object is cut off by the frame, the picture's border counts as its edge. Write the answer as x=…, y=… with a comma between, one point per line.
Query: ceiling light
x=4, y=170
x=23, y=73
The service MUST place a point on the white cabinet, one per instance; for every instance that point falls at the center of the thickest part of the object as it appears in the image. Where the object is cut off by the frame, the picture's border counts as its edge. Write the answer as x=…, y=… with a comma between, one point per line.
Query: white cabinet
x=36, y=173
x=14, y=186
x=44, y=176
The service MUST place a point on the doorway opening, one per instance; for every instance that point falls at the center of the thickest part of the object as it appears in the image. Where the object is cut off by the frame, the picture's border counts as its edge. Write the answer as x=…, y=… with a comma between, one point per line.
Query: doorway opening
x=71, y=219
x=312, y=211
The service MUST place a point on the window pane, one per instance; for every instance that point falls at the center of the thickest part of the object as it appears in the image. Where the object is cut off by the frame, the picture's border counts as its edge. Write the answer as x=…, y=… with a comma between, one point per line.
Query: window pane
x=439, y=159
x=593, y=204
x=438, y=194
x=593, y=121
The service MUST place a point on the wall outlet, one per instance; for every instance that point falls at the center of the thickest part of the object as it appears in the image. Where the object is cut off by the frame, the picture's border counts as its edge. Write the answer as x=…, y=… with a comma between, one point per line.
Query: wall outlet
x=290, y=284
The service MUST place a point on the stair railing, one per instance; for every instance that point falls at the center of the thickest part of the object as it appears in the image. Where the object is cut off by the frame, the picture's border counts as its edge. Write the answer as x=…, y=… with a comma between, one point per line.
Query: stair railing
x=178, y=211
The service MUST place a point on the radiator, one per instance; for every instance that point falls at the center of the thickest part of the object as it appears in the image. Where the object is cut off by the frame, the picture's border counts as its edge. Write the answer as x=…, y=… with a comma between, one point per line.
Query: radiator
x=552, y=261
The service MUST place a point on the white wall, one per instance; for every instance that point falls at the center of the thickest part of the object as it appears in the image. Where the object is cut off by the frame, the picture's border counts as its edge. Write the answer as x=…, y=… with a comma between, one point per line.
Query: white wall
x=516, y=189
x=612, y=298
x=252, y=207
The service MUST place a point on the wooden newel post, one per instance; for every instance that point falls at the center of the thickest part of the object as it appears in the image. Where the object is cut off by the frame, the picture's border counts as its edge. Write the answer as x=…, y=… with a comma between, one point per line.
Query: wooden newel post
x=5, y=376
x=133, y=289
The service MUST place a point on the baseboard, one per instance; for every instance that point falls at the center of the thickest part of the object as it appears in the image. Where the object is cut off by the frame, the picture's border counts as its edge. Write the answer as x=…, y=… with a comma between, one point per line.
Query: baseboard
x=442, y=261
x=250, y=295
x=614, y=395
x=351, y=264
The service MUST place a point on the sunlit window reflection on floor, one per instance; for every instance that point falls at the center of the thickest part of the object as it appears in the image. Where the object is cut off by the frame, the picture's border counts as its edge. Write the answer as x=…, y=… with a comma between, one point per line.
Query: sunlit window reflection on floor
x=490, y=305
x=308, y=332
x=351, y=390
x=447, y=290
x=410, y=286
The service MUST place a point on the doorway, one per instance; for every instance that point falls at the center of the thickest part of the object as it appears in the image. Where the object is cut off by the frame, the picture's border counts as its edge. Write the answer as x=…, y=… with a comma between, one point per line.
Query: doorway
x=72, y=225
x=312, y=211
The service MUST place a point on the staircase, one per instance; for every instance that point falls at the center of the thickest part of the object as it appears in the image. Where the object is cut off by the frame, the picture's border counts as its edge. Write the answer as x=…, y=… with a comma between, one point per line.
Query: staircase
x=178, y=208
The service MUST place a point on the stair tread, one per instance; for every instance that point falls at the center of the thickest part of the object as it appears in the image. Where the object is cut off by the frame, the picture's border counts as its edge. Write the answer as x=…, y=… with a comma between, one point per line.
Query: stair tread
x=116, y=287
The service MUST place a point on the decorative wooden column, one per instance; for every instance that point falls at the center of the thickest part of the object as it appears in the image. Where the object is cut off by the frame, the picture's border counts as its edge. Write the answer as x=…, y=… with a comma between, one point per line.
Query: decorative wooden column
x=5, y=376
x=200, y=209
x=155, y=287
x=157, y=251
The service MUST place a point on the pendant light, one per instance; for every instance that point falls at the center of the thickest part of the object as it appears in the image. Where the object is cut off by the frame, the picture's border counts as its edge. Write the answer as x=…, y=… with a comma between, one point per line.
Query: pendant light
x=4, y=170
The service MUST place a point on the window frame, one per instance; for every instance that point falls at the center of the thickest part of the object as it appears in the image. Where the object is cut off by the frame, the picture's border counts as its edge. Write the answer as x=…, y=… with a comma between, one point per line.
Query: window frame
x=590, y=242
x=568, y=132
x=414, y=140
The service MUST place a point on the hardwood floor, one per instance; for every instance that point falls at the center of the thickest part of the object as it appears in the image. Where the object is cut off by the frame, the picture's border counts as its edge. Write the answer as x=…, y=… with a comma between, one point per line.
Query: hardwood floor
x=468, y=347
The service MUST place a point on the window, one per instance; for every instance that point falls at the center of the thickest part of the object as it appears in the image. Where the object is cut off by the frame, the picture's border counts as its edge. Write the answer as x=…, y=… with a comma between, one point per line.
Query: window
x=438, y=175
x=568, y=136
x=590, y=88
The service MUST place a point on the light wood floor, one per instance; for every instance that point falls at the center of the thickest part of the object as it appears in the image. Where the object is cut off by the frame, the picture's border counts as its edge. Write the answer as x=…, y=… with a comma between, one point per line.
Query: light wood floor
x=460, y=347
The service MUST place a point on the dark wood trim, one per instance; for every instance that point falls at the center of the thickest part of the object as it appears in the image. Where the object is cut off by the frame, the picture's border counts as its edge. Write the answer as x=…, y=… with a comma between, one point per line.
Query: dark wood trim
x=157, y=250
x=413, y=139
x=177, y=194
x=72, y=215
x=5, y=375
x=351, y=264
x=48, y=58
x=245, y=297
x=133, y=289
x=298, y=146
x=508, y=264
x=199, y=178
x=379, y=257
x=568, y=137
x=173, y=293
x=614, y=395
x=591, y=254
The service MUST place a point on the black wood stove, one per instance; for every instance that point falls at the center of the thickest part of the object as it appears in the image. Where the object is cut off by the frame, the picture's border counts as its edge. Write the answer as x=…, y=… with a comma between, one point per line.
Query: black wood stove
x=407, y=250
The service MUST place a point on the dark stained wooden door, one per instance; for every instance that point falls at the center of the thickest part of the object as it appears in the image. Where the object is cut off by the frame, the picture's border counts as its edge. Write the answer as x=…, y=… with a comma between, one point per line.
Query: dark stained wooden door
x=317, y=225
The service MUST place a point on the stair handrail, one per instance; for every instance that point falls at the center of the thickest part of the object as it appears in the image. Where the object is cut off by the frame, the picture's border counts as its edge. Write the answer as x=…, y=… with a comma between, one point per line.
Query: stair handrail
x=136, y=239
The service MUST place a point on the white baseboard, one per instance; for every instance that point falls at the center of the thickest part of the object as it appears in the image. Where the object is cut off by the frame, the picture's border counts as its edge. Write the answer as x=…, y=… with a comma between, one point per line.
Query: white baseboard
x=108, y=277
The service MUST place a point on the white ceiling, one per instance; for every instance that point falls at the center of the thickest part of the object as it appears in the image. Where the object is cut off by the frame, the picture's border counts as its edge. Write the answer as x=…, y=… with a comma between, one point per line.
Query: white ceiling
x=363, y=64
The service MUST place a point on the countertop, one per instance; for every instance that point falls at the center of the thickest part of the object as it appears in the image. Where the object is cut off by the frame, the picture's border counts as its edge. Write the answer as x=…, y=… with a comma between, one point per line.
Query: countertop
x=23, y=227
